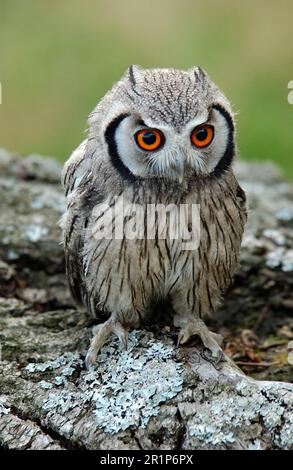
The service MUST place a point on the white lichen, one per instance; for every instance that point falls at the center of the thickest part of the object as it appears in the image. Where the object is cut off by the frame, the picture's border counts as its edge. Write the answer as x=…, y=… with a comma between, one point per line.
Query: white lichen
x=125, y=389
x=71, y=360
x=130, y=385
x=275, y=235
x=34, y=233
x=223, y=419
x=285, y=215
x=4, y=410
x=45, y=385
x=280, y=257
x=47, y=199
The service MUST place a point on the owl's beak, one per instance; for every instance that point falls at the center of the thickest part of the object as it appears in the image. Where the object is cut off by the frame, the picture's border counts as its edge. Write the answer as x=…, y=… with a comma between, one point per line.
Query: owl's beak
x=181, y=178
x=181, y=172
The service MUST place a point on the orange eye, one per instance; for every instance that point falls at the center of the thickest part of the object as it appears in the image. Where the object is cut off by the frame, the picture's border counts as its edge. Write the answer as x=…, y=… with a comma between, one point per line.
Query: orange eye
x=149, y=139
x=202, y=136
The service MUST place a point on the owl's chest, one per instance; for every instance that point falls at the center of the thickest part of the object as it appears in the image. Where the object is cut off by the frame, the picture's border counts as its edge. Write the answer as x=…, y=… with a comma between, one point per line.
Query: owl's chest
x=164, y=233
x=200, y=227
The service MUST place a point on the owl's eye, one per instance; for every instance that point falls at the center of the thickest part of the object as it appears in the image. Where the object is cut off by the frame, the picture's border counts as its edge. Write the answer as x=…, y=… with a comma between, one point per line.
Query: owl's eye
x=149, y=139
x=202, y=135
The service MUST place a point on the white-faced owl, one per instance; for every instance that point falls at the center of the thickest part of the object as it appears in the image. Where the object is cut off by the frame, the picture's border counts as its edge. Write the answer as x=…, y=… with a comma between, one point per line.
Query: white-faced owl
x=166, y=138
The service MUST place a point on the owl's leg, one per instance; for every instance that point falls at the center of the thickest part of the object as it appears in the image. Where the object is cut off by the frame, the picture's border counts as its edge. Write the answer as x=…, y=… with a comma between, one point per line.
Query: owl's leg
x=101, y=333
x=190, y=324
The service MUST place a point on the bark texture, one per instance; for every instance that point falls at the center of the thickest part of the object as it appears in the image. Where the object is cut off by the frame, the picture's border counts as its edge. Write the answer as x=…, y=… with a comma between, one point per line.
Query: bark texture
x=154, y=396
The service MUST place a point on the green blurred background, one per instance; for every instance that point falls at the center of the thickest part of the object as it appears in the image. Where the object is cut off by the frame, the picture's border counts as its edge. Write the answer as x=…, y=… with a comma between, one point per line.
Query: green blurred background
x=59, y=57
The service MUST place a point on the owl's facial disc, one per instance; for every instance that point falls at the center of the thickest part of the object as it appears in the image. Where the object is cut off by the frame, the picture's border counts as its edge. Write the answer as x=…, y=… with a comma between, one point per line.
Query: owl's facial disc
x=144, y=148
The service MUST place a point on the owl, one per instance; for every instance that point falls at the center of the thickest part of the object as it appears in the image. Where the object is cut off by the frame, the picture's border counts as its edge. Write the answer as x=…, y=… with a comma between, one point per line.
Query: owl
x=160, y=142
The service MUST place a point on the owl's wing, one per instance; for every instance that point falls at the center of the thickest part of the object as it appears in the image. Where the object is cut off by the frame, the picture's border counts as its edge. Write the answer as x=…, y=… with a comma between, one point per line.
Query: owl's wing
x=75, y=172
x=73, y=235
x=242, y=200
x=75, y=168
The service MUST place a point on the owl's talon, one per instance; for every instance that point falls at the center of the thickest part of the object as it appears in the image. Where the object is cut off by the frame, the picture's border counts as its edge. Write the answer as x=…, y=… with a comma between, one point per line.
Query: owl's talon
x=183, y=337
x=210, y=340
x=90, y=359
x=180, y=339
x=101, y=333
x=122, y=334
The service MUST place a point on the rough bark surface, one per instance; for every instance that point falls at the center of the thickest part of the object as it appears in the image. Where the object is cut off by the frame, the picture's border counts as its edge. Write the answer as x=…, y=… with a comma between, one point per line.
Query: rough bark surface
x=154, y=396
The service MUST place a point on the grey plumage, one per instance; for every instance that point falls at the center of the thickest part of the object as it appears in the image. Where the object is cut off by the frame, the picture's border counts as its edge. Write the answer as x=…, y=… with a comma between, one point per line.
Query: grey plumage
x=123, y=277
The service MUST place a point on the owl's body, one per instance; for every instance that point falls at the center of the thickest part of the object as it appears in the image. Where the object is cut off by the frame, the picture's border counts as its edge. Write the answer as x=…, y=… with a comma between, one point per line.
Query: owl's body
x=124, y=277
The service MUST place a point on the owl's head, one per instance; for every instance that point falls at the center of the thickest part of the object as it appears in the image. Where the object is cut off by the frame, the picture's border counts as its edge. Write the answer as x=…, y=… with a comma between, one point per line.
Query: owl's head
x=165, y=123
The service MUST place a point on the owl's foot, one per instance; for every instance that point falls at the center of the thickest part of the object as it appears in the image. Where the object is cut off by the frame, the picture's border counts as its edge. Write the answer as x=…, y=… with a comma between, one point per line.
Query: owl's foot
x=211, y=341
x=101, y=333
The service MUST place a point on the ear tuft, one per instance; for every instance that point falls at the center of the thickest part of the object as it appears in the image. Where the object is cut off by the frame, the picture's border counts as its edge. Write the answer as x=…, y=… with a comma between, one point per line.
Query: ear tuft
x=199, y=74
x=133, y=73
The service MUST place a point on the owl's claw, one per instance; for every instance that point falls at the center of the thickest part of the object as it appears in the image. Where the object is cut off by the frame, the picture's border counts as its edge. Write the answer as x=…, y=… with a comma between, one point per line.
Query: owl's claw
x=101, y=333
x=90, y=359
x=182, y=338
x=210, y=340
x=122, y=334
